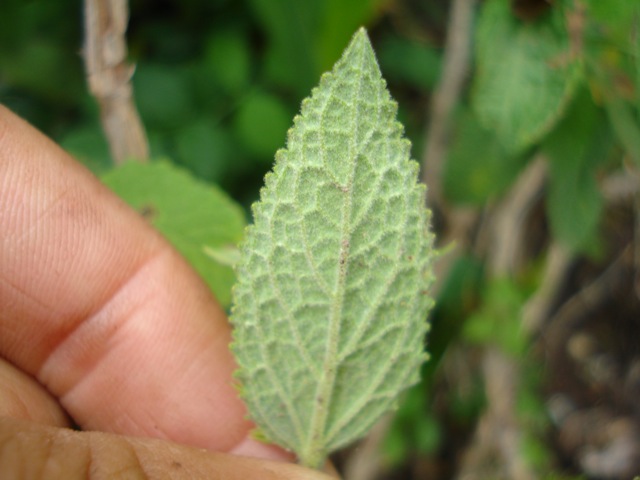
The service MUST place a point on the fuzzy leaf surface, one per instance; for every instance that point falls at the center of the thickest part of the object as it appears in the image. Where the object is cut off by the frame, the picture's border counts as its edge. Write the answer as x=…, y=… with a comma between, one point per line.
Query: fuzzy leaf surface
x=331, y=300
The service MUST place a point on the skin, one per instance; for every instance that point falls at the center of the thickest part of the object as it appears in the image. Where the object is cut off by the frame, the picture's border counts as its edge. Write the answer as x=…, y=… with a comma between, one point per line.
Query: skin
x=103, y=326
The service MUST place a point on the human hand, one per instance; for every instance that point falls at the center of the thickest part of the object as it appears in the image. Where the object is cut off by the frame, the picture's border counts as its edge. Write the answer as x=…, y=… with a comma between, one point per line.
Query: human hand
x=104, y=325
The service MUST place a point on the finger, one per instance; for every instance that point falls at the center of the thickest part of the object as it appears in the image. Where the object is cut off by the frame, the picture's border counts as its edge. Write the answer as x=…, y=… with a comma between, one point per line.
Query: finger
x=23, y=397
x=102, y=311
x=29, y=450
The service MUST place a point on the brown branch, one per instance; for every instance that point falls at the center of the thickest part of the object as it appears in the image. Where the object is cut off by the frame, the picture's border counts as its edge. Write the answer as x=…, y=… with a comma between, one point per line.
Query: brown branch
x=109, y=76
x=618, y=187
x=457, y=56
x=636, y=236
x=496, y=450
x=570, y=315
x=538, y=308
x=509, y=218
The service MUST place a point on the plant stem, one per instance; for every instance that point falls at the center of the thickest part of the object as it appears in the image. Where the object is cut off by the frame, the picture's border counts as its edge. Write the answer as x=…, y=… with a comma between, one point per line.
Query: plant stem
x=108, y=75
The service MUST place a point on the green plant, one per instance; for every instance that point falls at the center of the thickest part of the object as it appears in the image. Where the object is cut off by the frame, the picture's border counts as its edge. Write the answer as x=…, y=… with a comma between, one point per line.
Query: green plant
x=333, y=275
x=331, y=299
x=211, y=75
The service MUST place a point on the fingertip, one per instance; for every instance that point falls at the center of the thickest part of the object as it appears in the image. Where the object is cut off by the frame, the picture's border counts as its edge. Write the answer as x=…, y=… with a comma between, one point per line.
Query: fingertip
x=251, y=447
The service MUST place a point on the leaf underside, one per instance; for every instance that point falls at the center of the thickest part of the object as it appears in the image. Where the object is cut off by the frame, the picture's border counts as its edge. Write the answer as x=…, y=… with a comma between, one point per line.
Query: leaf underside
x=330, y=305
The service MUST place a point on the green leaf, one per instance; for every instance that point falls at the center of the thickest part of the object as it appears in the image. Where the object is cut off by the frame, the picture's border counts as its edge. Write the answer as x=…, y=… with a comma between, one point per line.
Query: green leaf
x=477, y=167
x=227, y=60
x=415, y=428
x=498, y=320
x=614, y=19
x=291, y=26
x=163, y=96
x=525, y=74
x=261, y=124
x=575, y=150
x=610, y=46
x=43, y=67
x=624, y=122
x=205, y=148
x=411, y=62
x=193, y=215
x=330, y=306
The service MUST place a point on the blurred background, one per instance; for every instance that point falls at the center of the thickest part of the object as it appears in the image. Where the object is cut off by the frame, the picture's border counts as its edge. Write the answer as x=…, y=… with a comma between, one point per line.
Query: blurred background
x=524, y=115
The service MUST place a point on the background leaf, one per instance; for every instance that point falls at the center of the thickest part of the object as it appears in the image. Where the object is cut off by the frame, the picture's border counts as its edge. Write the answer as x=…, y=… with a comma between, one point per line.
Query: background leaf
x=163, y=96
x=206, y=149
x=261, y=123
x=575, y=151
x=624, y=121
x=227, y=60
x=525, y=75
x=411, y=62
x=330, y=305
x=478, y=168
x=290, y=26
x=191, y=214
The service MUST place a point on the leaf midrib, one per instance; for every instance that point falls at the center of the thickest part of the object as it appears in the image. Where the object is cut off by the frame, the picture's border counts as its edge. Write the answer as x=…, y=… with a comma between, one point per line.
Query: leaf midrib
x=313, y=454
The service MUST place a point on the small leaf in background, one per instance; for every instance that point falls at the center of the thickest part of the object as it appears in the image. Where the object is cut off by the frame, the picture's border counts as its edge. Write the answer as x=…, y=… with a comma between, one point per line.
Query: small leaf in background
x=290, y=26
x=163, y=96
x=227, y=60
x=339, y=20
x=612, y=48
x=205, y=148
x=261, y=124
x=478, y=168
x=330, y=307
x=225, y=255
x=614, y=20
x=525, y=74
x=191, y=214
x=159, y=144
x=410, y=62
x=498, y=321
x=624, y=122
x=415, y=428
x=43, y=68
x=575, y=149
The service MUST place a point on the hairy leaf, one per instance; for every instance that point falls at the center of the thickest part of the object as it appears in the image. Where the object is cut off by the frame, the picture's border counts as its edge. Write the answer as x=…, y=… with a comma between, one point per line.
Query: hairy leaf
x=330, y=306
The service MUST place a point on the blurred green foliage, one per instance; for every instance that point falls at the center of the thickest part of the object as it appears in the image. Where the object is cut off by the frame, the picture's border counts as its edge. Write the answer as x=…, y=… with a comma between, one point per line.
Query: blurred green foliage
x=218, y=82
